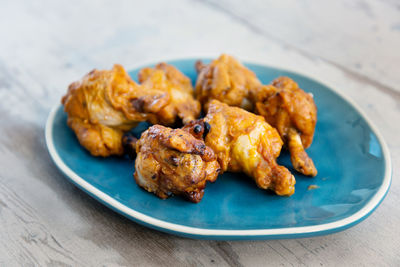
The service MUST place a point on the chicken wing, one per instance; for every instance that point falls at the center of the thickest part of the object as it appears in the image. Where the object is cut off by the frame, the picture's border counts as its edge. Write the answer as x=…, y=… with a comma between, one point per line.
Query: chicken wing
x=243, y=141
x=293, y=113
x=172, y=161
x=182, y=104
x=227, y=80
x=107, y=103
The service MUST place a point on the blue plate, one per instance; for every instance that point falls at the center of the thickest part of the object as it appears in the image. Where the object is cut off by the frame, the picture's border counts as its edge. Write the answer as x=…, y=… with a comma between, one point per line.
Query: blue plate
x=354, y=174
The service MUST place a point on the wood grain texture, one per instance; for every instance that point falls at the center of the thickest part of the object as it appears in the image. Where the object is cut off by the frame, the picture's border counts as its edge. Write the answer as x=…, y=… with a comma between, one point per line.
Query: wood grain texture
x=353, y=35
x=44, y=45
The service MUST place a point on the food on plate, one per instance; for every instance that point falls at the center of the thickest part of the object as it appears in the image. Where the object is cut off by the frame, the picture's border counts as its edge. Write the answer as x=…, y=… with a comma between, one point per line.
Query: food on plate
x=244, y=142
x=169, y=79
x=172, y=161
x=227, y=80
x=293, y=113
x=105, y=104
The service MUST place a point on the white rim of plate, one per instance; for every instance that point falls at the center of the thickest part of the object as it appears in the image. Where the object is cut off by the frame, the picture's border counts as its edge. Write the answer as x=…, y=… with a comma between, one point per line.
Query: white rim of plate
x=370, y=206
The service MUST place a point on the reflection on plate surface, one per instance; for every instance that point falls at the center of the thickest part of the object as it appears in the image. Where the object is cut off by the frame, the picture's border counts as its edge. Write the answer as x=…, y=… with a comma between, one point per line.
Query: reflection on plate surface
x=353, y=177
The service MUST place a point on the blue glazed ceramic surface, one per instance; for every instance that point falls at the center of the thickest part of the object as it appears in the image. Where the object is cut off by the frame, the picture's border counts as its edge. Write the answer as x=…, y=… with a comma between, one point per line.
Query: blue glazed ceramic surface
x=353, y=177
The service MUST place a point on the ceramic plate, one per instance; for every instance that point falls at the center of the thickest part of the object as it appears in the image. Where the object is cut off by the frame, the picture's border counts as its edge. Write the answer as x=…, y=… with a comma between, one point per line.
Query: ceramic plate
x=354, y=174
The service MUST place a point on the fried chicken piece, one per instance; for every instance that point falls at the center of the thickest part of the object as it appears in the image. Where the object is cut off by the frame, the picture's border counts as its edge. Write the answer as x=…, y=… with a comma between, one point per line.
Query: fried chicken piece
x=293, y=113
x=227, y=80
x=243, y=141
x=182, y=104
x=172, y=161
x=106, y=103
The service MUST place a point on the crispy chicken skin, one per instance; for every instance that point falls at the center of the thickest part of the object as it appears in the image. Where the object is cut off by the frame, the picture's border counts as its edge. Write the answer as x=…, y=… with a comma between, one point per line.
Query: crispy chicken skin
x=182, y=104
x=227, y=80
x=106, y=103
x=172, y=161
x=244, y=142
x=293, y=113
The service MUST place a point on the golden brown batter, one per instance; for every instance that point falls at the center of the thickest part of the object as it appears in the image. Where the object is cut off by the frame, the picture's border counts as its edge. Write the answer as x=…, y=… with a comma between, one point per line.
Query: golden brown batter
x=244, y=142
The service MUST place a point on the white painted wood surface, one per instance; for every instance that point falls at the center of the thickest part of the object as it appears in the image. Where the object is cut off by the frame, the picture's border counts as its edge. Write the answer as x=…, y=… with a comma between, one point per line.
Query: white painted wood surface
x=44, y=45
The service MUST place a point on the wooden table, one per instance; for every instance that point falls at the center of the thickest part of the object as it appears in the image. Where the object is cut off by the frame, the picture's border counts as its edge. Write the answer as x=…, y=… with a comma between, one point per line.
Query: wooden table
x=44, y=45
